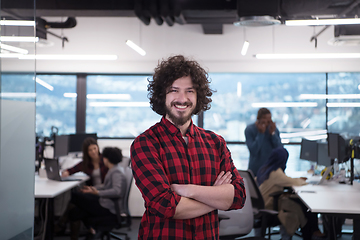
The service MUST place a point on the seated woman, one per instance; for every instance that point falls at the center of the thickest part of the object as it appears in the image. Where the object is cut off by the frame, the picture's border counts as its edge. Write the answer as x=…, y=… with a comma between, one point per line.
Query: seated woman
x=96, y=201
x=292, y=213
x=92, y=163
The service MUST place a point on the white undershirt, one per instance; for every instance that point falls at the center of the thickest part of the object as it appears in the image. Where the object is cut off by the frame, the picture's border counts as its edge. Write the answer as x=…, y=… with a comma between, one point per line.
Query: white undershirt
x=96, y=178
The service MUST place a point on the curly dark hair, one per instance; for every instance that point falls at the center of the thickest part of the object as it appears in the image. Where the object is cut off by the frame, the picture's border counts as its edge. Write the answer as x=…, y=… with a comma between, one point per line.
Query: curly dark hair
x=113, y=154
x=171, y=69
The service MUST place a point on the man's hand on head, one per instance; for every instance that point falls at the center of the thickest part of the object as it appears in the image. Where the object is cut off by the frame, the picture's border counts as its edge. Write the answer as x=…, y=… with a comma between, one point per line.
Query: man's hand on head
x=261, y=126
x=272, y=127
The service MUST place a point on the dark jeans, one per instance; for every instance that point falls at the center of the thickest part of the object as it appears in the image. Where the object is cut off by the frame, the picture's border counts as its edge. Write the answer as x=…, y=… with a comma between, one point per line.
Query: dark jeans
x=86, y=206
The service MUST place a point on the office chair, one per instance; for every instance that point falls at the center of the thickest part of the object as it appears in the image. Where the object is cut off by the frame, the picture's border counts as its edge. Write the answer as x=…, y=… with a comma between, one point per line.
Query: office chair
x=237, y=223
x=107, y=224
x=263, y=218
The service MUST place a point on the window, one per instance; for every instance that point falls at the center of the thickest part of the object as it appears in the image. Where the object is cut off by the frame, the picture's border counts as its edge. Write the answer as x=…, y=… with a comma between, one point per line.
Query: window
x=55, y=104
x=117, y=106
x=344, y=103
x=18, y=87
x=240, y=95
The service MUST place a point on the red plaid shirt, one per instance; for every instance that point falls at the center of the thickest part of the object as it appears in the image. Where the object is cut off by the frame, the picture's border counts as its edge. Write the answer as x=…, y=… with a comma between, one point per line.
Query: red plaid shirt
x=159, y=158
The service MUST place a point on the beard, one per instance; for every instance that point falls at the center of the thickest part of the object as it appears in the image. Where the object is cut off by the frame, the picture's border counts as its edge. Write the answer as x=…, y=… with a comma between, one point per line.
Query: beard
x=184, y=117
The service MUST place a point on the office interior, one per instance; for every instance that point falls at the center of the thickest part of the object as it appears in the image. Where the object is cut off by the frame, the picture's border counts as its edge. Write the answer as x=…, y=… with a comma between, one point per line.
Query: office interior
x=208, y=35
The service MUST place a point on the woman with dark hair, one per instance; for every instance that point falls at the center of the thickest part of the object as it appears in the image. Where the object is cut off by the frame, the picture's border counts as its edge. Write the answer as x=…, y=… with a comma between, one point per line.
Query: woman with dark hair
x=292, y=212
x=97, y=201
x=92, y=163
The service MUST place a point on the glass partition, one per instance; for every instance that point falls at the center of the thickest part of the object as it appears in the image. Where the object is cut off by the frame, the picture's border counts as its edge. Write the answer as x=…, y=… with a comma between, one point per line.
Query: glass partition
x=55, y=104
x=17, y=129
x=117, y=105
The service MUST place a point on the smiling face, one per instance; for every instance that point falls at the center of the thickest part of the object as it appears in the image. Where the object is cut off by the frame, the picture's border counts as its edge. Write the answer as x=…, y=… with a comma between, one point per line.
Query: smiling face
x=180, y=101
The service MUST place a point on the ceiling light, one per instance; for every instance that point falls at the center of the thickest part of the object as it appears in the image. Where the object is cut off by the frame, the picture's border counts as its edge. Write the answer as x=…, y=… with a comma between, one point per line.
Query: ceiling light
x=321, y=22
x=70, y=95
x=283, y=104
x=307, y=56
x=303, y=134
x=344, y=104
x=44, y=84
x=245, y=48
x=13, y=49
x=257, y=21
x=109, y=96
x=136, y=47
x=69, y=57
x=317, y=137
x=332, y=121
x=329, y=96
x=17, y=95
x=18, y=39
x=17, y=23
x=119, y=104
x=239, y=89
x=10, y=55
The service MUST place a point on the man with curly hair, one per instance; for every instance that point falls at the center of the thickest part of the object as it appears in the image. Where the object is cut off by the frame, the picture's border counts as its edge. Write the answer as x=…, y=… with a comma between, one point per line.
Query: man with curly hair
x=185, y=173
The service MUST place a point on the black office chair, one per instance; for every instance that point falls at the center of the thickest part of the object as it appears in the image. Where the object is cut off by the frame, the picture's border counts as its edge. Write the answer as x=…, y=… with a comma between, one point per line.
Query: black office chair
x=263, y=218
x=106, y=225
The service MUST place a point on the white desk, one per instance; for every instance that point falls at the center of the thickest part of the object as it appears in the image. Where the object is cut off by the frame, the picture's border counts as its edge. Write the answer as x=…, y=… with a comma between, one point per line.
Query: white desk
x=45, y=188
x=333, y=199
x=48, y=189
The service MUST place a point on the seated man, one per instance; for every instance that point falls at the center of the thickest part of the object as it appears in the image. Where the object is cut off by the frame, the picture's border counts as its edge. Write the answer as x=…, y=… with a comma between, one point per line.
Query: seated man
x=96, y=201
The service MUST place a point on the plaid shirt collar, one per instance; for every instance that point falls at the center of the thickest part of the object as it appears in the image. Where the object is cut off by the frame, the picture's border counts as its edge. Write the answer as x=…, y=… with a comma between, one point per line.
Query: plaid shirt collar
x=190, y=132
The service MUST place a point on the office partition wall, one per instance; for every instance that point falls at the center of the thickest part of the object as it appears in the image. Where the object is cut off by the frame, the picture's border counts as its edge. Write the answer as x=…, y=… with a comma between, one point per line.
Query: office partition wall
x=17, y=138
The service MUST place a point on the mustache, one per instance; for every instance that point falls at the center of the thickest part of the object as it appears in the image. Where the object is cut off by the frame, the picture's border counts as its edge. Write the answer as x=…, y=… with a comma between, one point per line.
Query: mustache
x=188, y=103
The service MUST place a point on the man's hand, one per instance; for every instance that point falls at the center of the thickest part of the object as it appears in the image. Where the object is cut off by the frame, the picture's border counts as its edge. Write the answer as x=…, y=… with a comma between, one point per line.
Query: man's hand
x=223, y=178
x=186, y=190
x=272, y=127
x=65, y=173
x=261, y=126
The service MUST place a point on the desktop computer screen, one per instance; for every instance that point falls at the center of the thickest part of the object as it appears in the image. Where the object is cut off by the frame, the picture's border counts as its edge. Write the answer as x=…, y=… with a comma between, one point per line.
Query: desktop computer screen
x=61, y=145
x=337, y=146
x=76, y=141
x=308, y=150
x=323, y=157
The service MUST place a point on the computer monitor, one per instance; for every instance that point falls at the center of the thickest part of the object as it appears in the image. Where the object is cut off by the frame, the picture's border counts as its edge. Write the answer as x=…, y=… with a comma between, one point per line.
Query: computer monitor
x=61, y=145
x=308, y=150
x=76, y=141
x=337, y=146
x=323, y=157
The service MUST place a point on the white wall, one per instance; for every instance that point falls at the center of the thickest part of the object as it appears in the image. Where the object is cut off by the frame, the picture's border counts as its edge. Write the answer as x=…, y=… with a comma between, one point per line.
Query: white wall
x=218, y=53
